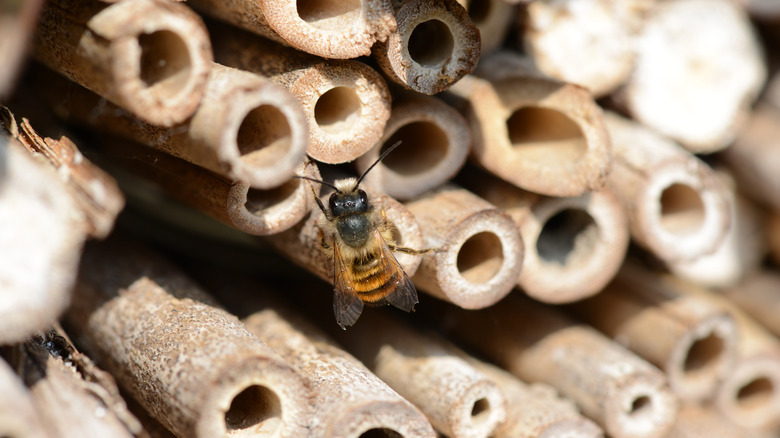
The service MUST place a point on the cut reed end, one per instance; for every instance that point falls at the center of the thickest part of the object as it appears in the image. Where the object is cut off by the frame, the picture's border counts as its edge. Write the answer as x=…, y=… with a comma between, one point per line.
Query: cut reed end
x=643, y=408
x=479, y=412
x=383, y=419
x=750, y=395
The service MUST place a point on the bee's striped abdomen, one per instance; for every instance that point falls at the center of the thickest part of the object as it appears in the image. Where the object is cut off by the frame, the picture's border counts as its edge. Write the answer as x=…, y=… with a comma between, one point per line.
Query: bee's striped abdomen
x=372, y=281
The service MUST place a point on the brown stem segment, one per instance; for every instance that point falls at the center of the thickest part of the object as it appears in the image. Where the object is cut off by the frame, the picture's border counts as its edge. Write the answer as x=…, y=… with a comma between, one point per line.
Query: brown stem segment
x=189, y=363
x=151, y=57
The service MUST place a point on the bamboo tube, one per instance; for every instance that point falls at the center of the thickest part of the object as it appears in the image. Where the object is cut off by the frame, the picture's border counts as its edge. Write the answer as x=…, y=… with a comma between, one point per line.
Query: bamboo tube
x=41, y=234
x=757, y=296
x=625, y=395
x=749, y=395
x=96, y=193
x=74, y=397
x=741, y=252
x=302, y=243
x=537, y=133
x=246, y=128
x=348, y=400
x=19, y=417
x=435, y=144
x=434, y=45
x=253, y=211
x=684, y=85
x=694, y=342
x=573, y=246
x=696, y=421
x=493, y=18
x=589, y=43
x=151, y=57
x=536, y=411
x=754, y=157
x=17, y=21
x=346, y=103
x=340, y=30
x=677, y=208
x=458, y=400
x=193, y=366
x=480, y=249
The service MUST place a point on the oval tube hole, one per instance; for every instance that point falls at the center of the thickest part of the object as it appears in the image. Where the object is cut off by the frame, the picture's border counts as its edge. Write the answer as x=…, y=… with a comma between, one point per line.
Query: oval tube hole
x=480, y=258
x=380, y=433
x=253, y=409
x=568, y=232
x=703, y=353
x=756, y=394
x=164, y=60
x=258, y=200
x=336, y=107
x=423, y=146
x=535, y=130
x=264, y=136
x=312, y=11
x=480, y=407
x=431, y=43
x=640, y=406
x=682, y=209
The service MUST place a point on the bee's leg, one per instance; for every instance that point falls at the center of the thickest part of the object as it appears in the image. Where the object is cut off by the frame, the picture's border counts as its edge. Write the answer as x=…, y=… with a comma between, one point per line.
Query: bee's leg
x=323, y=242
x=411, y=251
x=320, y=205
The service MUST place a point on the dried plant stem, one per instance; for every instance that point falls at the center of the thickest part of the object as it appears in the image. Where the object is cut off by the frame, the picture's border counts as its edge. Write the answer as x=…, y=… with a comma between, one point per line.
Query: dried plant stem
x=480, y=249
x=677, y=207
x=340, y=30
x=435, y=144
x=434, y=45
x=346, y=103
x=151, y=57
x=193, y=366
x=18, y=414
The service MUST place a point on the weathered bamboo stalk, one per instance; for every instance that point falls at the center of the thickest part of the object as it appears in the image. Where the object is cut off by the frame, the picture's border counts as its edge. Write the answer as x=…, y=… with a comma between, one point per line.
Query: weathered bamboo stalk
x=151, y=57
x=19, y=416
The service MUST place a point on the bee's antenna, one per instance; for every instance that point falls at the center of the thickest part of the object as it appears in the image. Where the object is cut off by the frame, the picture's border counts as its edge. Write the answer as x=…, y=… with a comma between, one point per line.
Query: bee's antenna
x=318, y=181
x=381, y=157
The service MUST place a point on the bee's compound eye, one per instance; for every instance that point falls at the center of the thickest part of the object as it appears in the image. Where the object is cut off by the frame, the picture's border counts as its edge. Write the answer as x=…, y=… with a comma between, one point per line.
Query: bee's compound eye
x=363, y=197
x=332, y=202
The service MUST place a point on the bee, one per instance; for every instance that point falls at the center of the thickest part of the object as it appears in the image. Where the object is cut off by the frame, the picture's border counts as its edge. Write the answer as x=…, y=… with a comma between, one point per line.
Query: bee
x=359, y=239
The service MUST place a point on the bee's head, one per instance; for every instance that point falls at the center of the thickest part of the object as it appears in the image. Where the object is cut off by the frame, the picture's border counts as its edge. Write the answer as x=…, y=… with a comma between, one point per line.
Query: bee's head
x=353, y=201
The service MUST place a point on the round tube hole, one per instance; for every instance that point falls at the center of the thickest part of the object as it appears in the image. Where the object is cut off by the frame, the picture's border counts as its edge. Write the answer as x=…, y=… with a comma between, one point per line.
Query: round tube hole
x=259, y=200
x=313, y=11
x=640, y=406
x=682, y=209
x=431, y=43
x=264, y=136
x=755, y=394
x=480, y=257
x=703, y=353
x=534, y=130
x=336, y=108
x=568, y=233
x=165, y=61
x=254, y=409
x=380, y=433
x=423, y=146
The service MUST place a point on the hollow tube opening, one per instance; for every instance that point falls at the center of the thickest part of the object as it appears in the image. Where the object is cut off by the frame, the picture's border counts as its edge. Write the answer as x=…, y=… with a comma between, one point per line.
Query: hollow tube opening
x=380, y=433
x=316, y=11
x=755, y=394
x=568, y=232
x=336, y=108
x=431, y=43
x=264, y=136
x=165, y=62
x=640, y=406
x=703, y=353
x=258, y=200
x=254, y=409
x=480, y=407
x=544, y=134
x=480, y=257
x=423, y=146
x=682, y=209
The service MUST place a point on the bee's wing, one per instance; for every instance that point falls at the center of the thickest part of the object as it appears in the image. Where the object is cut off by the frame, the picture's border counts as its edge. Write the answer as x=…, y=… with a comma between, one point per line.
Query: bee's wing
x=404, y=294
x=347, y=305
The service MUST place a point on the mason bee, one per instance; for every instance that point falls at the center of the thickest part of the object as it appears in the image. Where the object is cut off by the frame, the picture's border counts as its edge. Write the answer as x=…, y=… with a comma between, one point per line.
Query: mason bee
x=359, y=239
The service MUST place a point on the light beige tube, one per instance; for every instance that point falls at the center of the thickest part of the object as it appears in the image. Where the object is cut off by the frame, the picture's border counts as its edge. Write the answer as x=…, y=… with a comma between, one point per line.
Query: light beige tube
x=493, y=19
x=346, y=103
x=480, y=249
x=435, y=143
x=694, y=342
x=591, y=43
x=348, y=401
x=17, y=21
x=151, y=57
x=41, y=234
x=536, y=411
x=434, y=45
x=677, y=208
x=458, y=400
x=624, y=394
x=18, y=414
x=573, y=246
x=755, y=157
x=192, y=365
x=253, y=211
x=757, y=295
x=72, y=396
x=540, y=134
x=684, y=85
x=246, y=128
x=697, y=421
x=340, y=30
